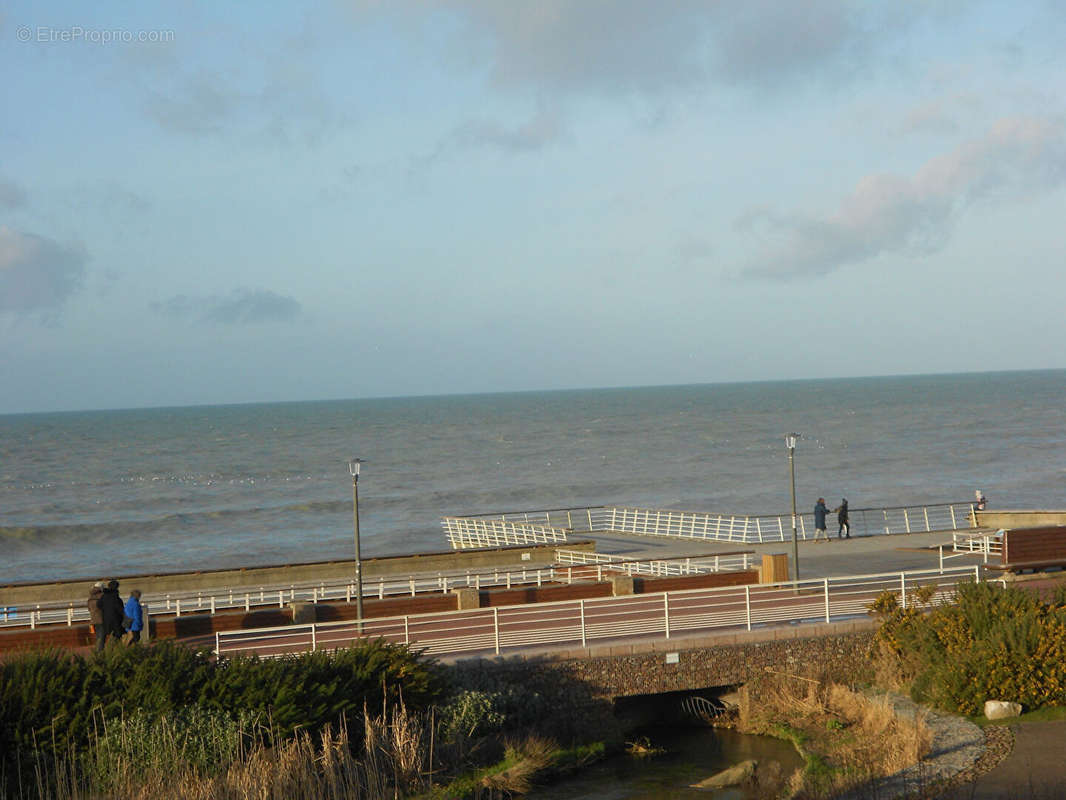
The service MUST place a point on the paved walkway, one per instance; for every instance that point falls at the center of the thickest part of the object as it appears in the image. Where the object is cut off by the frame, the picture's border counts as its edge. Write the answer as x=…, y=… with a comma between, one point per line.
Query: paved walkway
x=858, y=555
x=1035, y=768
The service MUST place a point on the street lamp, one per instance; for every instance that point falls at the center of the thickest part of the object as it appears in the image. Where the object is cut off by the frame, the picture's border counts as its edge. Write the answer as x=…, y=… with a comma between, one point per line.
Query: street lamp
x=353, y=467
x=790, y=443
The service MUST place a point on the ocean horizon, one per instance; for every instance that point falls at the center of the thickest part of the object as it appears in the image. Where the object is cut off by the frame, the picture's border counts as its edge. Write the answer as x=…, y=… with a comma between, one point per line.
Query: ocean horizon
x=120, y=491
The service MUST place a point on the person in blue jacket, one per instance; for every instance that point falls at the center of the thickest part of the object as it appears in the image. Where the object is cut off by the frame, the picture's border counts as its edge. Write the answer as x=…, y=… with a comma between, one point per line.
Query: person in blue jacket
x=819, y=519
x=135, y=613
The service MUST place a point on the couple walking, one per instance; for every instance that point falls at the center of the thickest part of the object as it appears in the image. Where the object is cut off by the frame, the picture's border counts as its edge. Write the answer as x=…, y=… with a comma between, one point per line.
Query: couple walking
x=110, y=617
x=820, y=512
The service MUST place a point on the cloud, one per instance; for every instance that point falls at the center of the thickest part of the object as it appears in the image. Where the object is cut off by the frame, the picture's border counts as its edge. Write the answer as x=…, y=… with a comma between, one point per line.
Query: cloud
x=646, y=47
x=913, y=214
x=539, y=131
x=37, y=273
x=239, y=307
x=12, y=196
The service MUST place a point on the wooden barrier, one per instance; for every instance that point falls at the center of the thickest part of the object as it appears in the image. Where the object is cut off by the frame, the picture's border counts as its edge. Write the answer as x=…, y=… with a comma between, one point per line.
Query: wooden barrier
x=711, y=581
x=1033, y=548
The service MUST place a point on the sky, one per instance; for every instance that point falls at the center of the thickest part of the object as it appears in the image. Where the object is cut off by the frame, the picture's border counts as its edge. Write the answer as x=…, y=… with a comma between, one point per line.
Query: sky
x=221, y=203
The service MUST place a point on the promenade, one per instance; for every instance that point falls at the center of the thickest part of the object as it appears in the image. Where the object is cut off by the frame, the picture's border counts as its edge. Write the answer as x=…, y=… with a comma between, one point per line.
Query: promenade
x=858, y=555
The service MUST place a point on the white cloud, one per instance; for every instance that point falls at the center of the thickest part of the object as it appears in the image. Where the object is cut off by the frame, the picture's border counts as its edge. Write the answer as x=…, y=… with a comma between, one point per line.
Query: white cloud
x=37, y=273
x=913, y=214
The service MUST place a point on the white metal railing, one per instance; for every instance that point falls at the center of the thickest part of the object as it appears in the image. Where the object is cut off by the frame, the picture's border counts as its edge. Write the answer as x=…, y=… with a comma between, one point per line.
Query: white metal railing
x=71, y=612
x=680, y=565
x=523, y=527
x=661, y=615
x=467, y=532
x=986, y=543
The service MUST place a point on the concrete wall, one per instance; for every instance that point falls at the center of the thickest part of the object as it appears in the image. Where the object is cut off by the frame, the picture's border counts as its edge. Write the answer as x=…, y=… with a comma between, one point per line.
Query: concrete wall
x=1020, y=519
x=21, y=594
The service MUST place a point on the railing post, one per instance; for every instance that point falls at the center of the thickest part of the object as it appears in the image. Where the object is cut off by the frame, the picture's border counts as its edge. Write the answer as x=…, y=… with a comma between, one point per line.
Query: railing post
x=212, y=605
x=976, y=573
x=666, y=613
x=581, y=607
x=314, y=639
x=825, y=583
x=70, y=616
x=247, y=601
x=903, y=589
x=941, y=549
x=496, y=627
x=218, y=644
x=747, y=603
x=954, y=524
x=177, y=607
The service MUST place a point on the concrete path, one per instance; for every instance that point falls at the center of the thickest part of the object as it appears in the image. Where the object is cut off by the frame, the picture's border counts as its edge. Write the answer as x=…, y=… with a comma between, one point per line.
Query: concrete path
x=1035, y=768
x=859, y=555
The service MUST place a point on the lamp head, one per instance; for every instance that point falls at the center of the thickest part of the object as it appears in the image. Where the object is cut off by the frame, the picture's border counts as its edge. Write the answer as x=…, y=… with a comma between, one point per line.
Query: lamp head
x=353, y=466
x=790, y=440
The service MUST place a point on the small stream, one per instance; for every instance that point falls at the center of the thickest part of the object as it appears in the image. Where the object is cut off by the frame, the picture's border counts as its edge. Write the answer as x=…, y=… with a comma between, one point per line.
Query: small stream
x=692, y=754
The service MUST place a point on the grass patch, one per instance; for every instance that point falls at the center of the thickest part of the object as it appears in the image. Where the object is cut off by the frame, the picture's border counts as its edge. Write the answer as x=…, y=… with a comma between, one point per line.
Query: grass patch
x=1046, y=714
x=845, y=737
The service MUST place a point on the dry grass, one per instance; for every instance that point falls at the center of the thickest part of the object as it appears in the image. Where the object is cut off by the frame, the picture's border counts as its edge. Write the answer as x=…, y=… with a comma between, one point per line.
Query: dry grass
x=846, y=737
x=394, y=762
x=529, y=758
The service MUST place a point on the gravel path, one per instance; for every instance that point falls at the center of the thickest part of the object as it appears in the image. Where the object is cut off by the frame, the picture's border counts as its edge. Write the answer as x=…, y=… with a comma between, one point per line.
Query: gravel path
x=959, y=749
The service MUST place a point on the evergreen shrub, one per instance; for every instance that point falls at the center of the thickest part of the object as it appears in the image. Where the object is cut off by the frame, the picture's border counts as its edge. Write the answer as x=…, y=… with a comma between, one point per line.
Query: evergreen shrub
x=55, y=699
x=993, y=643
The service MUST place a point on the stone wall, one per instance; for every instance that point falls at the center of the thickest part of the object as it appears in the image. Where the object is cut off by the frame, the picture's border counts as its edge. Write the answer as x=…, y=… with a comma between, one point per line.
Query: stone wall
x=705, y=662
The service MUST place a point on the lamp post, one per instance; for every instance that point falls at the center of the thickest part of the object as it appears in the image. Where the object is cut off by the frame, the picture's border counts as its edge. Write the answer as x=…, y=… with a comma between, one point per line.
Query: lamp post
x=790, y=443
x=353, y=467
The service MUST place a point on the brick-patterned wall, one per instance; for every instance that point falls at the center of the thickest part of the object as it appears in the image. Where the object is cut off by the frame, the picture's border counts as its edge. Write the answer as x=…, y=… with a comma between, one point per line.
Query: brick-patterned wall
x=705, y=663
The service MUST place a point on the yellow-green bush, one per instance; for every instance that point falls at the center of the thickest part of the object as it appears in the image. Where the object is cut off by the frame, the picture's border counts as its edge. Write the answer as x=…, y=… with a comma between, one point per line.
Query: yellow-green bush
x=994, y=643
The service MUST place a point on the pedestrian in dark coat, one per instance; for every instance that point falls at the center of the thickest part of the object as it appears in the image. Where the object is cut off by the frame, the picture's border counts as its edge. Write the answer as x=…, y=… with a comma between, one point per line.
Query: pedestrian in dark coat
x=819, y=519
x=842, y=519
x=112, y=611
x=96, y=616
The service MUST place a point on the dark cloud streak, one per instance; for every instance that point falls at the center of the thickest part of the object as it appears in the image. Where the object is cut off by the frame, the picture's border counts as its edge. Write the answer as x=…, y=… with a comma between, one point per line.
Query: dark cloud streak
x=239, y=307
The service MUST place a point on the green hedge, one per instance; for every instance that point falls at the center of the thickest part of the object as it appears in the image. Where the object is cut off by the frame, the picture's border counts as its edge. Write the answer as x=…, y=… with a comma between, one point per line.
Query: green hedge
x=52, y=699
x=993, y=643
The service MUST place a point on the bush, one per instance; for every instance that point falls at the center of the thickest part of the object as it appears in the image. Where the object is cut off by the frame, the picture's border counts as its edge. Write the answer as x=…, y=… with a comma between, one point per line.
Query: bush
x=993, y=643
x=54, y=700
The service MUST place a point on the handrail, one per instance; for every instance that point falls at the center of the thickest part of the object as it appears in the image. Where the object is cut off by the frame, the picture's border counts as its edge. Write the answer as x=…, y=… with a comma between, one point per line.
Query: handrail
x=555, y=524
x=580, y=622
x=669, y=565
x=70, y=612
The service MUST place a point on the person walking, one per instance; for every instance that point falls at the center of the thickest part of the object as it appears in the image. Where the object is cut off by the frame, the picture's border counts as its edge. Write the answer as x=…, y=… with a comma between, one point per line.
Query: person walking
x=111, y=610
x=842, y=519
x=96, y=616
x=135, y=615
x=819, y=519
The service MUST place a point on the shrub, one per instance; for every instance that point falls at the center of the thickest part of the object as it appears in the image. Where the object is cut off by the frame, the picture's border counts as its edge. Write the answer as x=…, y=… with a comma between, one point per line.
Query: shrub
x=993, y=643
x=54, y=700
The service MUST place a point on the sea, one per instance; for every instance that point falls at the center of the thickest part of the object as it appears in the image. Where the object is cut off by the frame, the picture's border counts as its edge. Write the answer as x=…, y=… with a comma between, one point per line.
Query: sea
x=94, y=494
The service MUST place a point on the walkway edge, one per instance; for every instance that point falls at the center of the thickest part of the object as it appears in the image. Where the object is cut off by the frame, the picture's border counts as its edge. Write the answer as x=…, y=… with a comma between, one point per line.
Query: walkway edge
x=956, y=746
